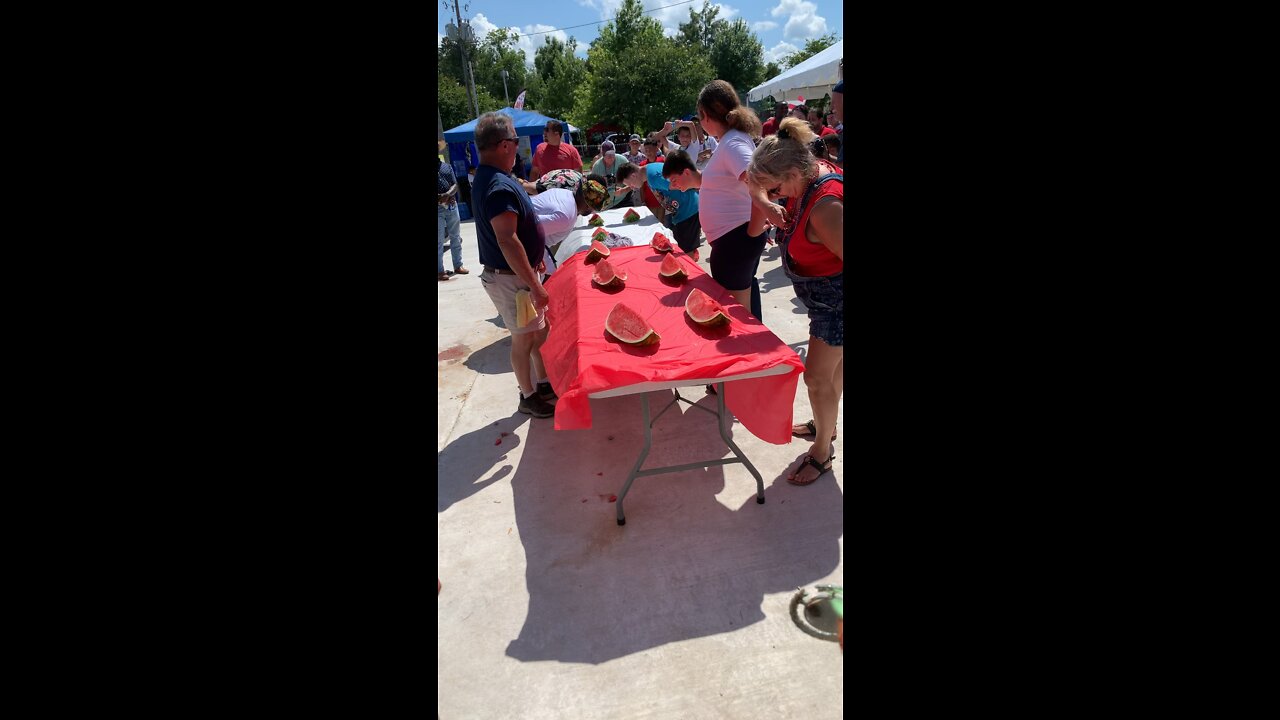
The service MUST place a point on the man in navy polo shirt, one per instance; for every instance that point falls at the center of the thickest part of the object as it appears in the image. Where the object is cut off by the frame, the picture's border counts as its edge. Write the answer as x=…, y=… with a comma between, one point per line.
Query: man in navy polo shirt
x=511, y=250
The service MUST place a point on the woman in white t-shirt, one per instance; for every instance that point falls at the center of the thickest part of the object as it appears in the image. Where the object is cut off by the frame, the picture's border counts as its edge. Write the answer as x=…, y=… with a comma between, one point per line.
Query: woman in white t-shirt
x=729, y=205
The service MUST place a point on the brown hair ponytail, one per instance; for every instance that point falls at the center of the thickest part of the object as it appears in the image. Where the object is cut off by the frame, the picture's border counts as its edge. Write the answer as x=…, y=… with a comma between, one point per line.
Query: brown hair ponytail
x=719, y=101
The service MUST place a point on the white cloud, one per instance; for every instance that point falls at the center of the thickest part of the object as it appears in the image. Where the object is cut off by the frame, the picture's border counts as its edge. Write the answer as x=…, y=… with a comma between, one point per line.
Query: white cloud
x=481, y=26
x=439, y=40
x=805, y=23
x=763, y=25
x=530, y=43
x=779, y=51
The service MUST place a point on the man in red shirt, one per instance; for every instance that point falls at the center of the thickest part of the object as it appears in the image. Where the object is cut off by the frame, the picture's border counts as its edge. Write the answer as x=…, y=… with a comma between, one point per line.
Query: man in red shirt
x=553, y=154
x=815, y=122
x=771, y=125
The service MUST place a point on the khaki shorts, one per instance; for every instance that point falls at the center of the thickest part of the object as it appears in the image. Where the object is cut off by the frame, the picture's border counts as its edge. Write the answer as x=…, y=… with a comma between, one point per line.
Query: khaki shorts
x=502, y=291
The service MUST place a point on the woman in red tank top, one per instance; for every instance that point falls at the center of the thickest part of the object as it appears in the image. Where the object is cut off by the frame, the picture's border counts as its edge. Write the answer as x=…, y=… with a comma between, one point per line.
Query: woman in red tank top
x=813, y=257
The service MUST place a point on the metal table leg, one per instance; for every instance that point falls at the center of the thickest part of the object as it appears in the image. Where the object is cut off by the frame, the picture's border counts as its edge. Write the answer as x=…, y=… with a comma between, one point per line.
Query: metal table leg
x=720, y=414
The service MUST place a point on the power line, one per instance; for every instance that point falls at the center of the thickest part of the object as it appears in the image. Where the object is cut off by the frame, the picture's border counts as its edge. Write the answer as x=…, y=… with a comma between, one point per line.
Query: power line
x=543, y=32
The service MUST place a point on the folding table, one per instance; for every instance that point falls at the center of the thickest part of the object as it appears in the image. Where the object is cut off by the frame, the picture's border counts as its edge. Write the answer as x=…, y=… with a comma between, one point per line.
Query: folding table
x=755, y=372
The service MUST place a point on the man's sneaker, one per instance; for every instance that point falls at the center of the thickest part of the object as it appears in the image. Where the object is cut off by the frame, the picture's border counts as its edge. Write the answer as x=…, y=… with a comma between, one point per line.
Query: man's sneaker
x=534, y=405
x=546, y=393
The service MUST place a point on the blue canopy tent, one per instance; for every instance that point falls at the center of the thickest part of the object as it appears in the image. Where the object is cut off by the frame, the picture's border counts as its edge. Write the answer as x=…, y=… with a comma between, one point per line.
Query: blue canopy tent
x=527, y=123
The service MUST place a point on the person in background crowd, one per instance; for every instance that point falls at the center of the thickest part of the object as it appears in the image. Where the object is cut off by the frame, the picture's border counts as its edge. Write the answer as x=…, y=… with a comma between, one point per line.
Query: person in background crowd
x=517, y=170
x=511, y=250
x=799, y=111
x=448, y=222
x=651, y=152
x=816, y=124
x=554, y=154
x=608, y=166
x=771, y=125
x=833, y=123
x=813, y=258
x=833, y=150
x=636, y=156
x=701, y=149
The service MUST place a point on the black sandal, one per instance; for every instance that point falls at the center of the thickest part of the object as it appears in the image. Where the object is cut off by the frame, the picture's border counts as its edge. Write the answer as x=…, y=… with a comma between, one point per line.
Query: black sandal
x=822, y=468
x=813, y=430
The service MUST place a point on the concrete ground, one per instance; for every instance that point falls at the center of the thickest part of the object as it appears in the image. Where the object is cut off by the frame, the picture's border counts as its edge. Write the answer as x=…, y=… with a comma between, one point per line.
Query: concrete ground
x=551, y=610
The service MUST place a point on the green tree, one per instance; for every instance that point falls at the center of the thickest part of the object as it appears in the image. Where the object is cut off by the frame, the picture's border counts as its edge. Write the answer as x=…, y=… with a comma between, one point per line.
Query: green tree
x=771, y=71
x=455, y=109
x=737, y=56
x=452, y=98
x=557, y=75
x=812, y=47
x=700, y=31
x=496, y=53
x=637, y=78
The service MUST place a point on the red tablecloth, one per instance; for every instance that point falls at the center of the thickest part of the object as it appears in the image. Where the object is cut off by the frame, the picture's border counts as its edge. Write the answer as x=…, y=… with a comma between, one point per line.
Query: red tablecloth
x=581, y=358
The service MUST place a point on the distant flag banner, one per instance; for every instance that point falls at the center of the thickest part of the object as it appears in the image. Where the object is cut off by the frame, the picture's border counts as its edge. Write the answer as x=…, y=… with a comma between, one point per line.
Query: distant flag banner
x=520, y=102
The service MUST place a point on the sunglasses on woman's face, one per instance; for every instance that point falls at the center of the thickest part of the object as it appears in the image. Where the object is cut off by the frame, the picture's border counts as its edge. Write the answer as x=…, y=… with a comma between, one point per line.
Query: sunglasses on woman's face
x=776, y=191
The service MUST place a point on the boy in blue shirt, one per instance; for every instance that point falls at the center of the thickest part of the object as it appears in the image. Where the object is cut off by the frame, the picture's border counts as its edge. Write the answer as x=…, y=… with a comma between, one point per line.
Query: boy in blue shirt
x=678, y=202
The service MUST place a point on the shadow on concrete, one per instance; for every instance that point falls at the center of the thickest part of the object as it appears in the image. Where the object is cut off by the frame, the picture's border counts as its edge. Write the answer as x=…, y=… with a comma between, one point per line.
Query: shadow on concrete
x=685, y=565
x=773, y=280
x=493, y=359
x=476, y=460
x=497, y=321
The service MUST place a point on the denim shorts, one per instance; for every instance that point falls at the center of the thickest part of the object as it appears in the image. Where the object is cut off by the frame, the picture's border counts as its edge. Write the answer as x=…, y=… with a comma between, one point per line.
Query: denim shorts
x=824, y=298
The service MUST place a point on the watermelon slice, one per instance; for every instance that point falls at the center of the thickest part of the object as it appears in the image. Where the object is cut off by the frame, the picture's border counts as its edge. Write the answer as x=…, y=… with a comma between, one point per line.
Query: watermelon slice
x=598, y=250
x=596, y=220
x=600, y=234
x=629, y=327
x=631, y=216
x=672, y=269
x=705, y=311
x=607, y=276
x=660, y=243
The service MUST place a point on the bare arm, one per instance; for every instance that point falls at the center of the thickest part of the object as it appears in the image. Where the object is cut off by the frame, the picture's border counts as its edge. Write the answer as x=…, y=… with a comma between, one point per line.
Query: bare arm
x=504, y=227
x=761, y=207
x=826, y=225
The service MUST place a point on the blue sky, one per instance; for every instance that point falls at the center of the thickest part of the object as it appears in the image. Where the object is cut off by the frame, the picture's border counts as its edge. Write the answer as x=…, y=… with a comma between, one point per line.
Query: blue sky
x=782, y=25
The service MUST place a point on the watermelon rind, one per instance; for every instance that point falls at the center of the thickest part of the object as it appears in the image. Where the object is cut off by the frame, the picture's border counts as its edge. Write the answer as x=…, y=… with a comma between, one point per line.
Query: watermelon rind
x=709, y=314
x=598, y=250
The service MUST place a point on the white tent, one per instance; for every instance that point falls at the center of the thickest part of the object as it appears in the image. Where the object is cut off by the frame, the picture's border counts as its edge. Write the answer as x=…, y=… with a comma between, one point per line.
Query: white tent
x=812, y=78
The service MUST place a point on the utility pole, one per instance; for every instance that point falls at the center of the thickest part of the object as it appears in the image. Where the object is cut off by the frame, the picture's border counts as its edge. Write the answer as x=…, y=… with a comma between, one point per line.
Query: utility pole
x=463, y=35
x=505, y=94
